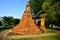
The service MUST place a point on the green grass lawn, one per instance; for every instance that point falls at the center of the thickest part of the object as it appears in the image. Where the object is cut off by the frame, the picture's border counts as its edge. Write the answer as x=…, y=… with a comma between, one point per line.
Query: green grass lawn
x=47, y=38
x=42, y=38
x=24, y=39
x=50, y=31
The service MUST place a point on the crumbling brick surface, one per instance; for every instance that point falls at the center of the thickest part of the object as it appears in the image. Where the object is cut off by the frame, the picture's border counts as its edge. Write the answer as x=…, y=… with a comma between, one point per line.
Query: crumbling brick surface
x=26, y=25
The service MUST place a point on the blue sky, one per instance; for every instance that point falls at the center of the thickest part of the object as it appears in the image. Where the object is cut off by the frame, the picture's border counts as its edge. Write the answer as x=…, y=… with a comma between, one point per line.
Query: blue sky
x=14, y=8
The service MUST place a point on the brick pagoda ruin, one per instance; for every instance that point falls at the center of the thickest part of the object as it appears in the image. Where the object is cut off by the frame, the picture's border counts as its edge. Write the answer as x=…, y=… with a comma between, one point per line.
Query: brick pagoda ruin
x=27, y=24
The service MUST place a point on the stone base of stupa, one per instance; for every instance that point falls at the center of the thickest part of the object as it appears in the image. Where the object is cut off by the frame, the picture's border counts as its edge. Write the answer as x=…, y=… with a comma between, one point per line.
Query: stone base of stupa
x=25, y=30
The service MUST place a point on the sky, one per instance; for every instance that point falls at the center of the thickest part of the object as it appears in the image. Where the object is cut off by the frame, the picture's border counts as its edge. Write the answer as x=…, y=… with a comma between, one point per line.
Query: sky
x=14, y=8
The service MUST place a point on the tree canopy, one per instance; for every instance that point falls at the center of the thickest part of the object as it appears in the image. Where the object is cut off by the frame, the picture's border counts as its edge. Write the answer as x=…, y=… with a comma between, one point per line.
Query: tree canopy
x=50, y=7
x=10, y=21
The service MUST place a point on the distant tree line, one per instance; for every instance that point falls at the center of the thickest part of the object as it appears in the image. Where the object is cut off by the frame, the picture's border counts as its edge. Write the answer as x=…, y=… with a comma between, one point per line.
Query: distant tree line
x=9, y=21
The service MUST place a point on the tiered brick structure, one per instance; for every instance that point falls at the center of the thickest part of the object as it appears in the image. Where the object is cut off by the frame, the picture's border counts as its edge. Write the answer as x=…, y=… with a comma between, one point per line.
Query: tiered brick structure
x=27, y=24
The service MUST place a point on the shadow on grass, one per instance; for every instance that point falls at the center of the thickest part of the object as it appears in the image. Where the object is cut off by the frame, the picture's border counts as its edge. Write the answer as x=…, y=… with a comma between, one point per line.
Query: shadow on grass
x=57, y=29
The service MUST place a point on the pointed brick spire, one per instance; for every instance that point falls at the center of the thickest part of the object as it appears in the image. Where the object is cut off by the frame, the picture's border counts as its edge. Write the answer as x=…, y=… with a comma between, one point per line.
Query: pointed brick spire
x=27, y=6
x=27, y=24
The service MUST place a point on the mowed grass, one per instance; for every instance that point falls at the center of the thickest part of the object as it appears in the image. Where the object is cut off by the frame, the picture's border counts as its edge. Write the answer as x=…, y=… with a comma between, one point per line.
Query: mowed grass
x=42, y=38
x=50, y=31
x=47, y=38
x=56, y=37
x=24, y=39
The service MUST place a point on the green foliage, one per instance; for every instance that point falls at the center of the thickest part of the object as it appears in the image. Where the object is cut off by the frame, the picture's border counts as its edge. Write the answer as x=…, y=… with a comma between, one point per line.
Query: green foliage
x=50, y=7
x=16, y=21
x=0, y=23
x=54, y=13
x=10, y=21
x=36, y=5
x=7, y=20
x=46, y=5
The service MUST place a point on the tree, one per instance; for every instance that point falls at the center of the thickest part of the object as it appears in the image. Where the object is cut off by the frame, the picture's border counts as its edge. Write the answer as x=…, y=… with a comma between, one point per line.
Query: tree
x=36, y=6
x=50, y=7
x=0, y=23
x=16, y=21
x=10, y=21
x=54, y=13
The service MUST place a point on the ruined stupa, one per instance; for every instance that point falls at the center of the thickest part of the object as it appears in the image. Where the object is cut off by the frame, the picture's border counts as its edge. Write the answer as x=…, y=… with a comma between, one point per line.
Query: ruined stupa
x=27, y=24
